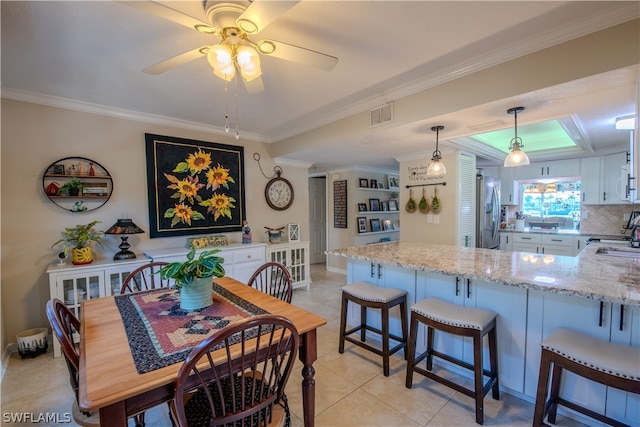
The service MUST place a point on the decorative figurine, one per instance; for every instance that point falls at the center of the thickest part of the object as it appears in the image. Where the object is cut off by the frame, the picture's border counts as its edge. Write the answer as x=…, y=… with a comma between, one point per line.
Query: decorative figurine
x=246, y=232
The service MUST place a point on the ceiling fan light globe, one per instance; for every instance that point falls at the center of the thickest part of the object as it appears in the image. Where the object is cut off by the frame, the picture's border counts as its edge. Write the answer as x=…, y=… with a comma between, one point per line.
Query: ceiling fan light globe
x=227, y=73
x=220, y=56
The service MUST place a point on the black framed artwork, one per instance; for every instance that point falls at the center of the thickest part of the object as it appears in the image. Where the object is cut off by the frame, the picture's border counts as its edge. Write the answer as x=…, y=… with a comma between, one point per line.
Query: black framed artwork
x=362, y=207
x=362, y=224
x=194, y=187
x=374, y=205
x=375, y=224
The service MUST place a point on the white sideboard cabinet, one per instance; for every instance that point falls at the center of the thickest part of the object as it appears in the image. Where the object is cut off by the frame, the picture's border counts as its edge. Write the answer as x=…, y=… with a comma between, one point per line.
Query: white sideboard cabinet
x=76, y=283
x=240, y=259
x=294, y=256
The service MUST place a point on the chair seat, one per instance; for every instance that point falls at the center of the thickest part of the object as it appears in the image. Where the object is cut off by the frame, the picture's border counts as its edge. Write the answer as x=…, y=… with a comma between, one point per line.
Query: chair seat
x=611, y=358
x=452, y=314
x=368, y=292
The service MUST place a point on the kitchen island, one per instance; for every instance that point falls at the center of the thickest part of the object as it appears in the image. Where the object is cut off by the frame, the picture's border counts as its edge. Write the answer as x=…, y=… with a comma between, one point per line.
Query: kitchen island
x=533, y=295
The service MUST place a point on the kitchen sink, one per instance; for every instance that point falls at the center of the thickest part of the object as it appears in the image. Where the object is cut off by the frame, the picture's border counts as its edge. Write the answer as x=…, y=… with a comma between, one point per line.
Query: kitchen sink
x=619, y=252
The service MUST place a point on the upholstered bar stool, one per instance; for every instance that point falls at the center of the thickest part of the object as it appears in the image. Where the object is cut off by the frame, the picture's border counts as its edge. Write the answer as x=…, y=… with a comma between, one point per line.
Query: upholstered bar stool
x=366, y=296
x=611, y=364
x=464, y=321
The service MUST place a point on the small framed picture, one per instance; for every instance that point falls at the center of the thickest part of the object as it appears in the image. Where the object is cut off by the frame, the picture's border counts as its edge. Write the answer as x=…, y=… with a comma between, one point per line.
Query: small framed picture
x=387, y=225
x=294, y=232
x=396, y=225
x=362, y=224
x=57, y=169
x=393, y=205
x=374, y=205
x=375, y=225
x=374, y=183
x=393, y=182
x=381, y=185
x=364, y=183
x=385, y=206
x=362, y=207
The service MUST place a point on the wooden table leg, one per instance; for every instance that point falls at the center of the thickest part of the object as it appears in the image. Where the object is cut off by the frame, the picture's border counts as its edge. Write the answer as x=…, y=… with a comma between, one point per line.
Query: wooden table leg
x=308, y=355
x=113, y=415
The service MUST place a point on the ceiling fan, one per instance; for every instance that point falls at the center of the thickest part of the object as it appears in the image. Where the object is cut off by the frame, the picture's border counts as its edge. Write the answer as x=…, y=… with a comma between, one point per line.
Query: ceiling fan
x=233, y=23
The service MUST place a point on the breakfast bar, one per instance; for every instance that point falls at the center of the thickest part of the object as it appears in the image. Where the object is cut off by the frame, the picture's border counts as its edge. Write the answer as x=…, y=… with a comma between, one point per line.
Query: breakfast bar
x=596, y=293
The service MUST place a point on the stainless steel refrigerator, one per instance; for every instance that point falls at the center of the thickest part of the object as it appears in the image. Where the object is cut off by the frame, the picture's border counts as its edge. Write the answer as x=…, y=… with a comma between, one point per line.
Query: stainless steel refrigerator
x=487, y=212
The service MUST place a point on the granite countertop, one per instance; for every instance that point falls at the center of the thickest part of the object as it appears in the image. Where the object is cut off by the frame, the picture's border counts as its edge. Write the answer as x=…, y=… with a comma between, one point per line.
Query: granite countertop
x=600, y=277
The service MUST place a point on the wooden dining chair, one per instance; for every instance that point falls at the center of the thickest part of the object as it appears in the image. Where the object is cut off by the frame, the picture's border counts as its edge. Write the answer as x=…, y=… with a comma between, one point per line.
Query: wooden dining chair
x=64, y=324
x=145, y=278
x=274, y=279
x=223, y=383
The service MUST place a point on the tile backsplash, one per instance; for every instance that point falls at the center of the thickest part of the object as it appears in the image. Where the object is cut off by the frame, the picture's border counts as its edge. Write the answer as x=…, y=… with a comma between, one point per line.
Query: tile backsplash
x=598, y=219
x=606, y=219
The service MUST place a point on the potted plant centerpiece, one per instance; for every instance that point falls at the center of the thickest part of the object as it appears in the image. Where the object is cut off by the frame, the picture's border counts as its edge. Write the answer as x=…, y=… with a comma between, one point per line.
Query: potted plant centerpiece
x=193, y=277
x=80, y=239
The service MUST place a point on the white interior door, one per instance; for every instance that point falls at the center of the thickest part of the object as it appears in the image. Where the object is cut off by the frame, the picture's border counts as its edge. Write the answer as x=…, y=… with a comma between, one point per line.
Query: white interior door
x=318, y=219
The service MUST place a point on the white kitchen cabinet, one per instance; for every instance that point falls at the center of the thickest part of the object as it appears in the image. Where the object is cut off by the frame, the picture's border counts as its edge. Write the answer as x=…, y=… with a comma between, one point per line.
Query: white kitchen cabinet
x=509, y=190
x=240, y=259
x=76, y=283
x=386, y=276
x=550, y=244
x=510, y=303
x=613, y=181
x=551, y=169
x=579, y=243
x=590, y=170
x=506, y=241
x=294, y=256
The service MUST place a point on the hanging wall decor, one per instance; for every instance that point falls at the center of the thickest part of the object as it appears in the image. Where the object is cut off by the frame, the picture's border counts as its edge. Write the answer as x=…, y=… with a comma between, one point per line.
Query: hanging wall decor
x=194, y=187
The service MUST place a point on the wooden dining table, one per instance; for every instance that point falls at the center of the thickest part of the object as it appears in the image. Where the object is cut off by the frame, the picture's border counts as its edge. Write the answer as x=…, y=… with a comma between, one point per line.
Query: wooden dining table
x=108, y=378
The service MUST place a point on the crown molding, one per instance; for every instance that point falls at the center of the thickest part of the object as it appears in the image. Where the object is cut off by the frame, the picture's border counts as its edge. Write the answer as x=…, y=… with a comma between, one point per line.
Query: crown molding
x=103, y=110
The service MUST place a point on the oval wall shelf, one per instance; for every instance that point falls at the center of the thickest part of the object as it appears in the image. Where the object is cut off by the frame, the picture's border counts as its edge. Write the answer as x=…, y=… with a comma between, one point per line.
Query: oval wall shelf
x=94, y=188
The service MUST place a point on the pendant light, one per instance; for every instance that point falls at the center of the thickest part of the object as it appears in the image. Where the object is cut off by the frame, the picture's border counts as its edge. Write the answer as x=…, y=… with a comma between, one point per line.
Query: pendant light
x=436, y=167
x=516, y=157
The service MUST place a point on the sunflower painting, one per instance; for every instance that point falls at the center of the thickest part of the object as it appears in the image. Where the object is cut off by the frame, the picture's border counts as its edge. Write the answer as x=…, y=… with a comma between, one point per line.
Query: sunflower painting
x=194, y=187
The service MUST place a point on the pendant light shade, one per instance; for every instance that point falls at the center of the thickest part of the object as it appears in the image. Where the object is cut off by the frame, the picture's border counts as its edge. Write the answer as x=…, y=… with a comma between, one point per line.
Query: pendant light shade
x=436, y=167
x=516, y=157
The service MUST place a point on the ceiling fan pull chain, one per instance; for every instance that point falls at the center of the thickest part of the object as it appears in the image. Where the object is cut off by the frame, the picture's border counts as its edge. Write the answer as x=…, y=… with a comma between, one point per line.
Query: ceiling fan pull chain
x=236, y=88
x=226, y=107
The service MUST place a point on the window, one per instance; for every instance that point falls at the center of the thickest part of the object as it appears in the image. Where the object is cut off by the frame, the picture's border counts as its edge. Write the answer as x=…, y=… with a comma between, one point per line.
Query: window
x=558, y=199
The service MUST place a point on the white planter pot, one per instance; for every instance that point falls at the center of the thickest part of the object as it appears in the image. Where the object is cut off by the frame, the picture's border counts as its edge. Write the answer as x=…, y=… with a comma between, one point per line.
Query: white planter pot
x=32, y=342
x=197, y=294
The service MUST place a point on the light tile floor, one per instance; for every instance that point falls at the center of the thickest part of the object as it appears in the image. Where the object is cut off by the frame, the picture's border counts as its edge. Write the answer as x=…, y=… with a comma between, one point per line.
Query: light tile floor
x=350, y=388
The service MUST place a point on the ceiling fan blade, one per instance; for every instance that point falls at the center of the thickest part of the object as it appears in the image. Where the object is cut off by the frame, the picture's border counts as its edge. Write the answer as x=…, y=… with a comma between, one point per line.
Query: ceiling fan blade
x=254, y=86
x=166, y=12
x=176, y=61
x=259, y=14
x=298, y=54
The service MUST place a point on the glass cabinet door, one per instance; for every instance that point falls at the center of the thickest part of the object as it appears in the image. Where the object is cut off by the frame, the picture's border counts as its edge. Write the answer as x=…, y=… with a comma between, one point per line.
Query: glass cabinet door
x=73, y=289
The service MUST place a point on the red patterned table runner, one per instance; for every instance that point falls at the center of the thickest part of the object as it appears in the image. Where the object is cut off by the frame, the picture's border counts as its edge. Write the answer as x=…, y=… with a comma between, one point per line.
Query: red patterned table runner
x=160, y=333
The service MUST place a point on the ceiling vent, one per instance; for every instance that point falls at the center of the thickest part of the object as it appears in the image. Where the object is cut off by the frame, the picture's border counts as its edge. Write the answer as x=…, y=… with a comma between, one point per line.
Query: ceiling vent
x=381, y=115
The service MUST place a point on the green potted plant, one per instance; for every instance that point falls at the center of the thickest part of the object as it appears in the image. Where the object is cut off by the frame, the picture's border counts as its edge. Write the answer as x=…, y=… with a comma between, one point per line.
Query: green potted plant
x=72, y=187
x=193, y=277
x=80, y=238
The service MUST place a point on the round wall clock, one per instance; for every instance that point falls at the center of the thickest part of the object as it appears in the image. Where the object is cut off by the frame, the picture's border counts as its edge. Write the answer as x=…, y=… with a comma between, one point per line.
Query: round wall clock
x=279, y=193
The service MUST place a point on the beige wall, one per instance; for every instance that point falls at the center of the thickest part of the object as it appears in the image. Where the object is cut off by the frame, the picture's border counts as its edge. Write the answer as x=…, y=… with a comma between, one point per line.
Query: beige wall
x=34, y=136
x=415, y=227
